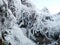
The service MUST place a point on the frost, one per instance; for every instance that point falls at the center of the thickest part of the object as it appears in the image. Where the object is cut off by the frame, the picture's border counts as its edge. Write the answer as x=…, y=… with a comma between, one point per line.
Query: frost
x=10, y=32
x=21, y=24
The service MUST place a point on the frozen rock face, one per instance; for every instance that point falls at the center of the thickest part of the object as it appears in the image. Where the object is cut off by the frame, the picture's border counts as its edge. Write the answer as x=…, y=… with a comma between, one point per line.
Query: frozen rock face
x=45, y=10
x=9, y=30
x=19, y=22
x=26, y=3
x=15, y=7
x=48, y=26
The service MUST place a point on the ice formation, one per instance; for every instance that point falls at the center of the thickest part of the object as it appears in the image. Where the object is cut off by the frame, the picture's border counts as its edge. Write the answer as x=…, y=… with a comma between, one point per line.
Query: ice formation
x=21, y=24
x=9, y=30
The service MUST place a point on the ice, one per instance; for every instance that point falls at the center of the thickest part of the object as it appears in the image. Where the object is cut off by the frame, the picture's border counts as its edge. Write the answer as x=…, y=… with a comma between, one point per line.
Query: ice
x=21, y=24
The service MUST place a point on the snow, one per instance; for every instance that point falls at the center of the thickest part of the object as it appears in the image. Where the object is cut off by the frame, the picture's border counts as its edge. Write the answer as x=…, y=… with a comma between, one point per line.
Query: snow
x=1, y=2
x=14, y=34
x=21, y=25
x=16, y=37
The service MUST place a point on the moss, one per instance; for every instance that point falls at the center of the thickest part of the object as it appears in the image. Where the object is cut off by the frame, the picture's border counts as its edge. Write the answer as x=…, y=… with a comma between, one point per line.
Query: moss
x=2, y=42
